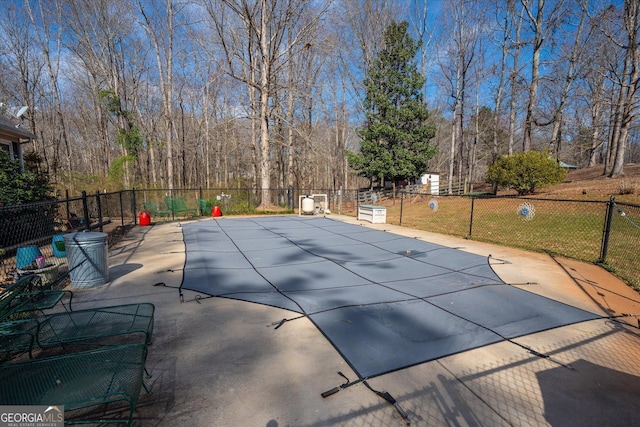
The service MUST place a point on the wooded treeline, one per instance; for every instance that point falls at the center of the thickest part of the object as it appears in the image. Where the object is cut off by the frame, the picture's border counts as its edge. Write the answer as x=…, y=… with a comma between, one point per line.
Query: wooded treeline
x=268, y=93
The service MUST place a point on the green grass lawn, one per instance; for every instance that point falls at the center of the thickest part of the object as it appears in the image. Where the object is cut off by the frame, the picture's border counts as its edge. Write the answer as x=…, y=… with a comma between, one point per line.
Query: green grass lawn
x=555, y=227
x=573, y=229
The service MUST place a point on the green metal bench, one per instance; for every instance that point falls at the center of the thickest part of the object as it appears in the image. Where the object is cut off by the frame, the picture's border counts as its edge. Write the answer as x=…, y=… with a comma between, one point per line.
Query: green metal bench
x=177, y=206
x=79, y=380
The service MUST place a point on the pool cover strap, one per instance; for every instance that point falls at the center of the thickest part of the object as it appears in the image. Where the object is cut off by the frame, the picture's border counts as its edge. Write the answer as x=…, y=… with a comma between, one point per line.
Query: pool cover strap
x=383, y=394
x=346, y=384
x=386, y=396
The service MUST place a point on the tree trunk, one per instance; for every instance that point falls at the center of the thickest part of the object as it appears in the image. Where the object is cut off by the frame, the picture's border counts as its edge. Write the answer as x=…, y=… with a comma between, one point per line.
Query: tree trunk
x=452, y=153
x=593, y=150
x=556, y=137
x=495, y=149
x=537, y=23
x=627, y=95
x=514, y=83
x=265, y=75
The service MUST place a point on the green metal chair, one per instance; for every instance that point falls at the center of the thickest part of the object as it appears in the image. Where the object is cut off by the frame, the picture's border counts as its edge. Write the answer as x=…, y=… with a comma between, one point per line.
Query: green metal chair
x=17, y=337
x=95, y=323
x=89, y=327
x=80, y=380
x=29, y=294
x=154, y=210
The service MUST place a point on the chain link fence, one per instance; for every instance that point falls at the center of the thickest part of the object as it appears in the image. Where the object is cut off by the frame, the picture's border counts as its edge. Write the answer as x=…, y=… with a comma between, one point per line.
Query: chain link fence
x=40, y=226
x=601, y=232
x=594, y=231
x=621, y=242
x=554, y=226
x=165, y=204
x=29, y=231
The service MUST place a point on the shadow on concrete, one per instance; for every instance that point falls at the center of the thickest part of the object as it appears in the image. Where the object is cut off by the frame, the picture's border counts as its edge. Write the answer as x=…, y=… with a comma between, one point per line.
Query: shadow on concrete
x=569, y=396
x=118, y=271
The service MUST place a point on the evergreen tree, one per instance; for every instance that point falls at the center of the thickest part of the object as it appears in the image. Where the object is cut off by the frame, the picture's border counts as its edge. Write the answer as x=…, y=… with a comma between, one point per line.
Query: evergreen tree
x=18, y=187
x=395, y=141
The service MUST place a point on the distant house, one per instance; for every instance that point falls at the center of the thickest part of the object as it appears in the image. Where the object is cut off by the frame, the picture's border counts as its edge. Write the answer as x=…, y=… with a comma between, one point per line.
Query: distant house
x=567, y=166
x=12, y=138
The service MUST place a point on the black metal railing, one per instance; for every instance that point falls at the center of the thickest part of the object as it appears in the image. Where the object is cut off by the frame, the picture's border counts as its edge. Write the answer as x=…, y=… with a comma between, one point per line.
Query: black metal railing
x=41, y=224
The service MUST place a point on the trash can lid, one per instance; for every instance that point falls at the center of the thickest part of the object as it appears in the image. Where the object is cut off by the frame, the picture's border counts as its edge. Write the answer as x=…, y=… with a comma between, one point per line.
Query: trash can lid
x=87, y=236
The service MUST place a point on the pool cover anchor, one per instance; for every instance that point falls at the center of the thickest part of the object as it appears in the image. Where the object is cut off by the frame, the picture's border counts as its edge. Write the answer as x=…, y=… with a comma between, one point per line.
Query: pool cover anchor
x=383, y=394
x=283, y=321
x=503, y=261
x=548, y=357
x=386, y=396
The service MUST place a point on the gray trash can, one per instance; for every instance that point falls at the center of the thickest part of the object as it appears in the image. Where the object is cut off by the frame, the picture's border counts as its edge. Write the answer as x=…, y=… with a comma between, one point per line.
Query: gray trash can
x=87, y=254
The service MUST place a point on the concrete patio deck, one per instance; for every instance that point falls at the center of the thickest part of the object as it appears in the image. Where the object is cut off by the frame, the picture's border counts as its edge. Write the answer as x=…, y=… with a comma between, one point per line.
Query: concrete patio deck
x=221, y=362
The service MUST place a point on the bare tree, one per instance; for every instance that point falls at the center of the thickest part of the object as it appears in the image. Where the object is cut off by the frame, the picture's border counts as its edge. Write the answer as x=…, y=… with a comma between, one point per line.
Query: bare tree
x=268, y=94
x=96, y=35
x=542, y=27
x=22, y=67
x=461, y=51
x=41, y=25
x=159, y=25
x=514, y=77
x=504, y=23
x=368, y=19
x=573, y=61
x=593, y=90
x=627, y=78
x=255, y=57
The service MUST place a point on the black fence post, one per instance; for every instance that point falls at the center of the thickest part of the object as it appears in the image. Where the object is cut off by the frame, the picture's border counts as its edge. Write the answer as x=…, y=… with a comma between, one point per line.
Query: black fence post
x=607, y=230
x=66, y=203
x=121, y=209
x=401, y=205
x=173, y=211
x=99, y=206
x=290, y=197
x=200, y=205
x=106, y=204
x=133, y=206
x=85, y=210
x=471, y=216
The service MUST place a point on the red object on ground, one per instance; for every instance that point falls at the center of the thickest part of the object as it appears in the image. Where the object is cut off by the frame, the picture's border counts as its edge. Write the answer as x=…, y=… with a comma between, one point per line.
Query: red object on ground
x=215, y=211
x=145, y=218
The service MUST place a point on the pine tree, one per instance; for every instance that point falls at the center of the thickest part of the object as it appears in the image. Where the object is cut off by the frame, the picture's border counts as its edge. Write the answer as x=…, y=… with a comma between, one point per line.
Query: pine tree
x=396, y=138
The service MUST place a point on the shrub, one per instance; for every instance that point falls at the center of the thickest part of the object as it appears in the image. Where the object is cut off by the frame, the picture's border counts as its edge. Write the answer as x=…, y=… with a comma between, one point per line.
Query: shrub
x=526, y=172
x=626, y=187
x=19, y=187
x=18, y=220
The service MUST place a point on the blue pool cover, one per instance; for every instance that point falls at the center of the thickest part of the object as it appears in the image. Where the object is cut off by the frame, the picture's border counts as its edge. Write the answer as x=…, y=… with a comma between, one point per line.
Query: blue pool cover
x=385, y=302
